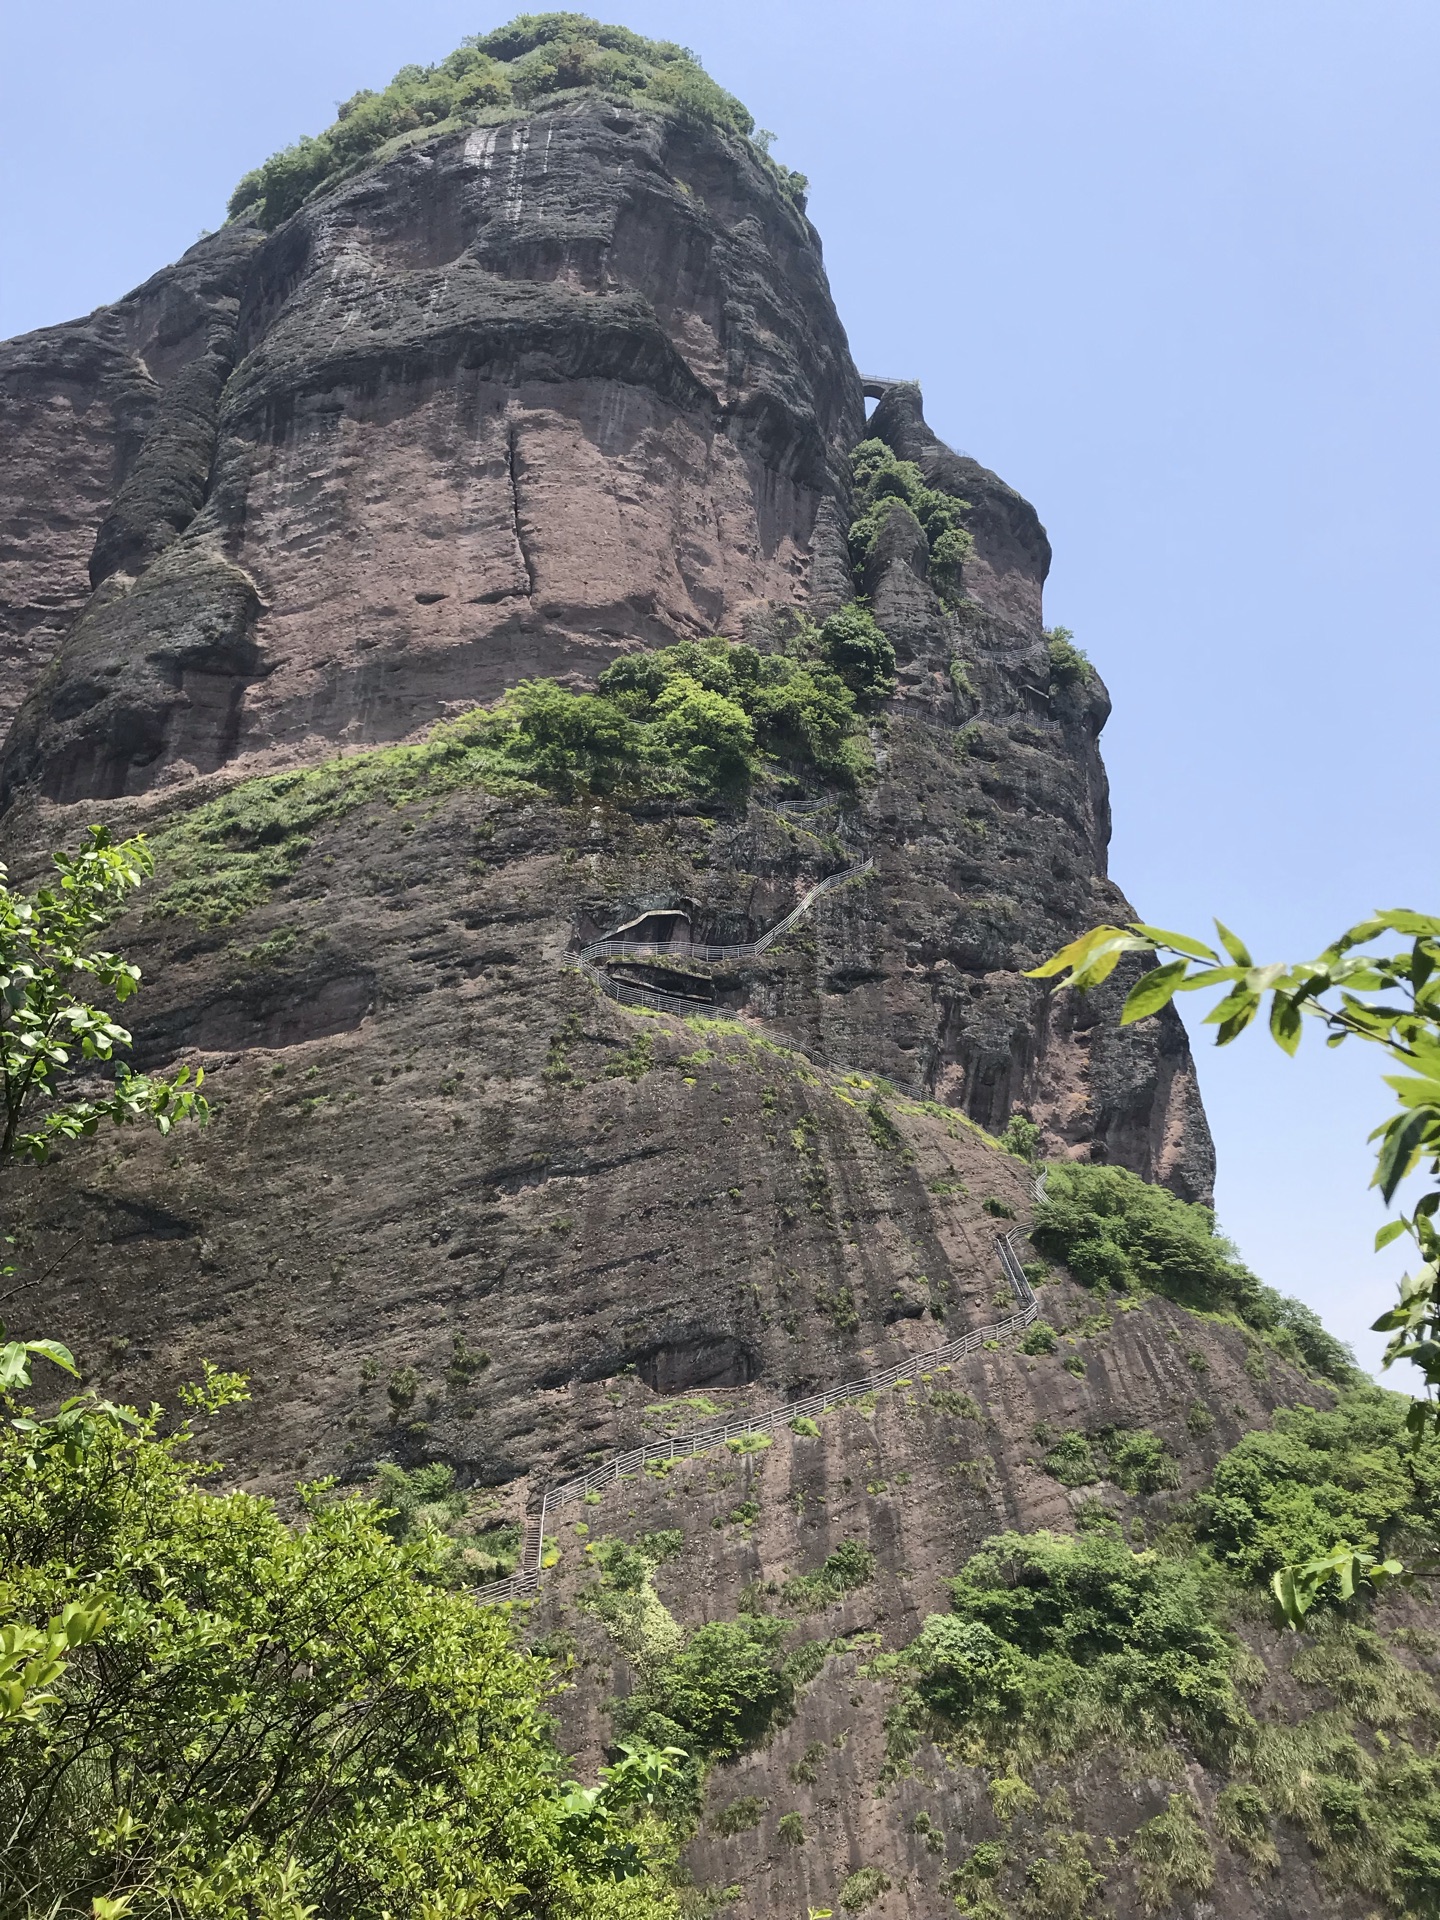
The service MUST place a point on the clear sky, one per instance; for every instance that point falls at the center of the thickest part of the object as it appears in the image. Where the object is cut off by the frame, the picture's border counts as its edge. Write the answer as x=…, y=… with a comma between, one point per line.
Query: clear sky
x=1169, y=269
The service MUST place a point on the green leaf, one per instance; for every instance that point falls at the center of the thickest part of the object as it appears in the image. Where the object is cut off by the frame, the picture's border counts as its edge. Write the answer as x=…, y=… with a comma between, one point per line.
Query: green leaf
x=1079, y=954
x=1401, y=1147
x=1392, y=1230
x=1415, y=1093
x=1152, y=991
x=1212, y=977
x=1235, y=947
x=1294, y=1604
x=1420, y=926
x=52, y=1351
x=1286, y=1023
x=1233, y=1014
x=1179, y=942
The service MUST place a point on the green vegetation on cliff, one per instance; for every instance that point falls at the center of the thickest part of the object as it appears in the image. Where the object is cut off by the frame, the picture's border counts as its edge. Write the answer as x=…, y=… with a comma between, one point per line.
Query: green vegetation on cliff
x=1058, y=1646
x=696, y=722
x=1055, y=1641
x=1344, y=1474
x=887, y=487
x=535, y=57
x=708, y=1694
x=53, y=1041
x=1117, y=1232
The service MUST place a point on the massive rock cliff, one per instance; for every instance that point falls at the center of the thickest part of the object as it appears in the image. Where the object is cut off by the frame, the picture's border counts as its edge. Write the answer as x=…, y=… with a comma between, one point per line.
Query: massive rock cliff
x=514, y=400
x=521, y=399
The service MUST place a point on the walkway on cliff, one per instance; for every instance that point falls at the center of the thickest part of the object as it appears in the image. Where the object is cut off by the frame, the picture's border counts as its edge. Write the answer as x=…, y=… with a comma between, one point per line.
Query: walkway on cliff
x=524, y=1583
x=633, y=993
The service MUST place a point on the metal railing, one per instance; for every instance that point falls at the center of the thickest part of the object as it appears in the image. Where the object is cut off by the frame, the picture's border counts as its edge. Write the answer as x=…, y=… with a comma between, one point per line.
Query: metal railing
x=632, y=992
x=523, y=1584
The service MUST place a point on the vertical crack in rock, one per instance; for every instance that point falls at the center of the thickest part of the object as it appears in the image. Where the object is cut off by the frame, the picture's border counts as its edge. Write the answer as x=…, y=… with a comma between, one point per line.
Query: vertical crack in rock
x=511, y=441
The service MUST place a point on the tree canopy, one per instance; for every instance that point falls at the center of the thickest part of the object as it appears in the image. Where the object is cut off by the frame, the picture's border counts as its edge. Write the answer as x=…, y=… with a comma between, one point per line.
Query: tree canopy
x=213, y=1711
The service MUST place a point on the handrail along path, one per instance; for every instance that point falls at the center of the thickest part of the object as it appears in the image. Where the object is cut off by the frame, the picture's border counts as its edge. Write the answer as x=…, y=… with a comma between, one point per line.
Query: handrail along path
x=523, y=1584
x=629, y=992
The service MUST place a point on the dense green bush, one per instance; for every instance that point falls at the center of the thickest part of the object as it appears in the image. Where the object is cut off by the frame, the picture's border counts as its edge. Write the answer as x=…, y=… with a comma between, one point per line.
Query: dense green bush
x=711, y=711
x=709, y=1694
x=1069, y=665
x=854, y=644
x=1348, y=1474
x=740, y=1816
x=885, y=484
x=1054, y=1640
x=534, y=56
x=1137, y=1460
x=1021, y=1136
x=1071, y=1460
x=1116, y=1231
x=851, y=1565
x=426, y=1505
x=1133, y=1457
x=261, y=1717
x=718, y=1694
x=863, y=1888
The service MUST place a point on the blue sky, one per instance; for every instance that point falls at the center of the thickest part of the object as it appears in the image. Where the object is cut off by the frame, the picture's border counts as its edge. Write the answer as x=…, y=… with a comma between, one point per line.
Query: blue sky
x=1170, y=270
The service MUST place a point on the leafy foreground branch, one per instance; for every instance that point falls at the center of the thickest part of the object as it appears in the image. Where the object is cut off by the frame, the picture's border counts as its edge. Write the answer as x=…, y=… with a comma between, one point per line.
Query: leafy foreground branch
x=1392, y=1000
x=205, y=1710
x=52, y=1040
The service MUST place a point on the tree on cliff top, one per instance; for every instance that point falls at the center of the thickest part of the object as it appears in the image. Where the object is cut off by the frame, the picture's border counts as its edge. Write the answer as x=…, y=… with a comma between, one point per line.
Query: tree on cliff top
x=535, y=56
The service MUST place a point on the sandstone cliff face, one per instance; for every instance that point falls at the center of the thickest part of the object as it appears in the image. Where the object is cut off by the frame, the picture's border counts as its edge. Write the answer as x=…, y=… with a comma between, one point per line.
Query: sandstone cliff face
x=512, y=403
x=109, y=433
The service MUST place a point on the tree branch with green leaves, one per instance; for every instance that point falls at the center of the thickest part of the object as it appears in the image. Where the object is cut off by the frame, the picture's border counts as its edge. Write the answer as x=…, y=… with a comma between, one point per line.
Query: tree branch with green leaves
x=50, y=1032
x=1362, y=987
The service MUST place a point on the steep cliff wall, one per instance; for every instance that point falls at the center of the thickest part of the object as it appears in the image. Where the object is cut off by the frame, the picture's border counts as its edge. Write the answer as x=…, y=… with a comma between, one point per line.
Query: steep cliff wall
x=512, y=402
x=516, y=400
x=533, y=394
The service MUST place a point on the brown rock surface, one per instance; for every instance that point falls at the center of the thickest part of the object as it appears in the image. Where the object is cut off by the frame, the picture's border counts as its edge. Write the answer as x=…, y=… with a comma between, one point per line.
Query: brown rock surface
x=508, y=404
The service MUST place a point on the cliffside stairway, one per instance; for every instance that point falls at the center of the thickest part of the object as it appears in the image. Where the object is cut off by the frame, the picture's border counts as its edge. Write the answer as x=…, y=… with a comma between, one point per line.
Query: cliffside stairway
x=524, y=1583
x=632, y=993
